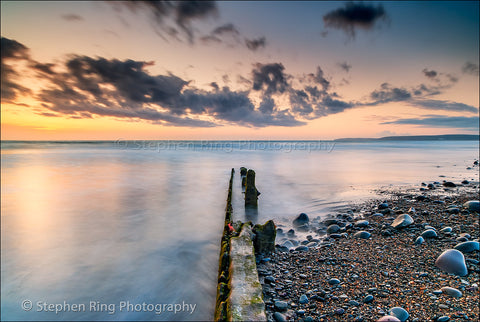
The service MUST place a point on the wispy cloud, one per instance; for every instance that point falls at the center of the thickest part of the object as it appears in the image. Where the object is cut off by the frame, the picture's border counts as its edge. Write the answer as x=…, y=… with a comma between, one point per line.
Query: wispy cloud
x=460, y=122
x=470, y=68
x=72, y=17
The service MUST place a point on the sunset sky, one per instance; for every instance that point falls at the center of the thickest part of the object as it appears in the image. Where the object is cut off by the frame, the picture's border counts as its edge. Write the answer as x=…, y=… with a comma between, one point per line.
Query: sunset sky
x=238, y=70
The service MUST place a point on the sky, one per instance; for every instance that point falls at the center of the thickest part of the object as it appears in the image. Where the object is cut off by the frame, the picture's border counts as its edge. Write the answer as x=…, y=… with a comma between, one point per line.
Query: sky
x=238, y=69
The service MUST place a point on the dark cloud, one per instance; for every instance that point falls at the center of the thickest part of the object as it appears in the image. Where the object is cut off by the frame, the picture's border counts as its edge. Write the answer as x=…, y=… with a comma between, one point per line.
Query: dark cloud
x=270, y=78
x=443, y=105
x=345, y=66
x=72, y=17
x=172, y=16
x=441, y=121
x=226, y=29
x=254, y=44
x=11, y=50
x=429, y=73
x=319, y=78
x=214, y=85
x=470, y=68
x=44, y=68
x=387, y=94
x=353, y=16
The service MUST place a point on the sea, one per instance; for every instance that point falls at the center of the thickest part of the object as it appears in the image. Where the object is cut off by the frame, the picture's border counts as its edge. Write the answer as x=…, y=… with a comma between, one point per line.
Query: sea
x=130, y=230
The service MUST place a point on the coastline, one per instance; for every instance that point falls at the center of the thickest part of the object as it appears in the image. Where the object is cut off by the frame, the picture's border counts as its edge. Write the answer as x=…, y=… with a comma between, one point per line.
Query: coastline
x=339, y=277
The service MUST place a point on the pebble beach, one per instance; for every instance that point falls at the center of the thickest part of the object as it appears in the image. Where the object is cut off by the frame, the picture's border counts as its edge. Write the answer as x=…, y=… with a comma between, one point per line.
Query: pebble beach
x=379, y=261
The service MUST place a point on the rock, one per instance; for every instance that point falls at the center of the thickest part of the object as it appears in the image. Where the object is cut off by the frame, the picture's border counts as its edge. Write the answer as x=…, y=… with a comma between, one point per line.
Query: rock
x=383, y=205
x=339, y=311
x=453, y=292
x=330, y=221
x=368, y=299
x=429, y=233
x=353, y=303
x=362, y=223
x=264, y=240
x=301, y=220
x=281, y=306
x=465, y=182
x=333, y=281
x=303, y=299
x=301, y=312
x=279, y=317
x=333, y=229
x=362, y=234
x=453, y=210
x=468, y=246
x=388, y=318
x=419, y=240
x=291, y=233
x=399, y=313
x=446, y=230
x=472, y=205
x=452, y=261
x=443, y=318
x=449, y=184
x=336, y=236
x=301, y=248
x=402, y=221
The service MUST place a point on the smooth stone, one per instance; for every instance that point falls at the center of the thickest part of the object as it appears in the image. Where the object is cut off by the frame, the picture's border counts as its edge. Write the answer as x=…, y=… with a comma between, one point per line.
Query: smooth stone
x=468, y=246
x=465, y=182
x=443, y=318
x=301, y=312
x=353, y=303
x=362, y=234
x=472, y=205
x=453, y=210
x=336, y=236
x=377, y=215
x=399, y=313
x=333, y=229
x=453, y=292
x=303, y=299
x=269, y=279
x=446, y=230
x=333, y=281
x=339, y=311
x=301, y=248
x=449, y=184
x=362, y=223
x=383, y=205
x=452, y=261
x=429, y=233
x=388, y=318
x=427, y=227
x=419, y=240
x=308, y=319
x=402, y=221
x=462, y=239
x=291, y=232
x=279, y=317
x=287, y=244
x=281, y=305
x=311, y=244
x=330, y=221
x=368, y=299
x=301, y=220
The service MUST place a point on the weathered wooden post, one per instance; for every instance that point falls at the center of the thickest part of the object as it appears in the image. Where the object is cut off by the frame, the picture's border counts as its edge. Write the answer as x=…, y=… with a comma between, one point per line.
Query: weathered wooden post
x=251, y=192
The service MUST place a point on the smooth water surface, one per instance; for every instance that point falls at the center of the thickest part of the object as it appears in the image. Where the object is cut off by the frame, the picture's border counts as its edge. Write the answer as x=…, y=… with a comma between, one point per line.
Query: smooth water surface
x=126, y=227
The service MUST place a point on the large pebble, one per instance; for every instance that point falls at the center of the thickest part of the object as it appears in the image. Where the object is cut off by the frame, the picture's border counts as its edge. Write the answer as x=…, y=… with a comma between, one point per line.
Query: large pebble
x=419, y=240
x=446, y=230
x=301, y=220
x=429, y=233
x=452, y=261
x=368, y=299
x=453, y=292
x=333, y=281
x=362, y=234
x=443, y=318
x=301, y=248
x=362, y=223
x=401, y=221
x=399, y=313
x=281, y=305
x=468, y=246
x=303, y=299
x=472, y=205
x=388, y=318
x=279, y=317
x=333, y=229
x=287, y=244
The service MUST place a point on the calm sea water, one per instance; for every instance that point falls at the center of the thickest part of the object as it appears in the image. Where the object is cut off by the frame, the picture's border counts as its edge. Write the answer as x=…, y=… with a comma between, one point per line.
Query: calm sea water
x=121, y=230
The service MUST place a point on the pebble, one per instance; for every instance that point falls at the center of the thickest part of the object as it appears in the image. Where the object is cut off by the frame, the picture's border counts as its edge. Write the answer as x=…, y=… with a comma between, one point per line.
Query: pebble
x=281, y=305
x=419, y=240
x=301, y=248
x=429, y=233
x=303, y=299
x=339, y=311
x=368, y=299
x=443, y=306
x=449, y=184
x=399, y=313
x=472, y=205
x=362, y=234
x=388, y=318
x=453, y=292
x=333, y=281
x=287, y=244
x=269, y=279
x=443, y=318
x=383, y=205
x=362, y=223
x=446, y=230
x=301, y=220
x=279, y=317
x=333, y=229
x=402, y=221
x=452, y=261
x=467, y=246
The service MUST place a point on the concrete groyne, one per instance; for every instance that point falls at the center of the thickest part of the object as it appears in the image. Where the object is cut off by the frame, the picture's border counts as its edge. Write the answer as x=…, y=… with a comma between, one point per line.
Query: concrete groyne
x=239, y=292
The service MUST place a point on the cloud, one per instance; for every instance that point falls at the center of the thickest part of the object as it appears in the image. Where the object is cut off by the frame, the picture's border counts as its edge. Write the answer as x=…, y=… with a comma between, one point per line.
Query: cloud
x=387, y=94
x=254, y=44
x=441, y=121
x=11, y=50
x=429, y=73
x=226, y=29
x=353, y=16
x=174, y=16
x=345, y=66
x=270, y=78
x=443, y=105
x=470, y=68
x=72, y=17
x=319, y=78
